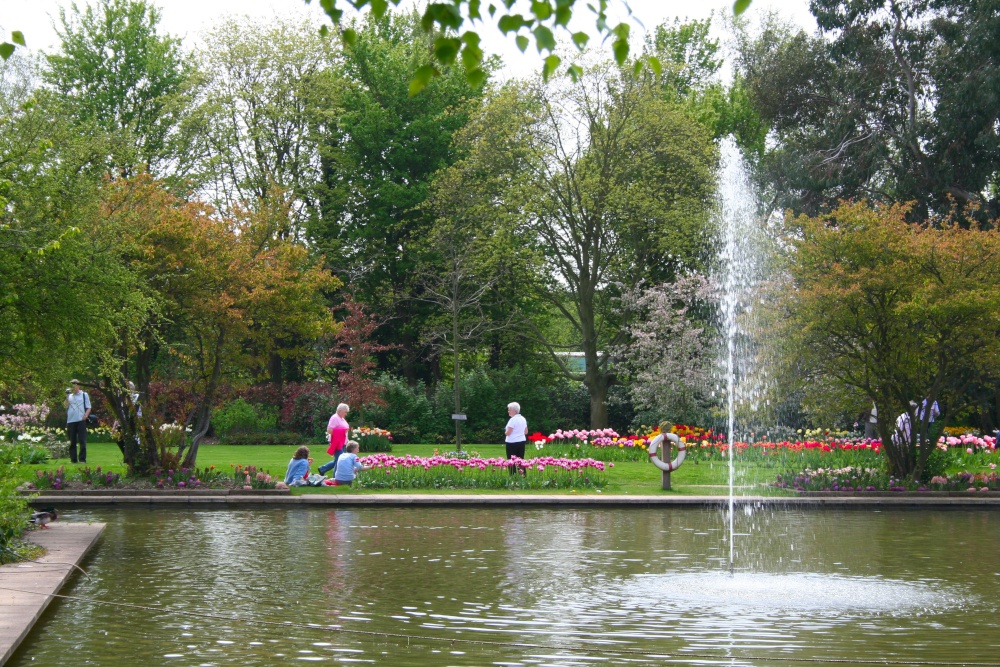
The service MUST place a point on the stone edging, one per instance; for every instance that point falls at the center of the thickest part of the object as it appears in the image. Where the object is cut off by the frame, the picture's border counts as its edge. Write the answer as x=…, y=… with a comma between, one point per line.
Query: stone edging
x=522, y=500
x=34, y=583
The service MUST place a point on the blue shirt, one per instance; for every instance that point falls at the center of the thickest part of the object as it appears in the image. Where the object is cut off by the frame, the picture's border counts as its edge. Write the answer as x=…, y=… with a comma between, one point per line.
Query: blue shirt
x=297, y=468
x=346, y=465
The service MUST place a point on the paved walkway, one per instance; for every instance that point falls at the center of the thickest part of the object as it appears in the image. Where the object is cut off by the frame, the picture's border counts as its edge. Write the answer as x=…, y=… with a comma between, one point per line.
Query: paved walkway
x=25, y=588
x=523, y=500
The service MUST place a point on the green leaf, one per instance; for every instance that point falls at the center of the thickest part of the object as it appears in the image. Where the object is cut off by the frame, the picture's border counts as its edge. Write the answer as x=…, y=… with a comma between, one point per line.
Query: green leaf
x=492, y=9
x=551, y=64
x=472, y=57
x=510, y=23
x=563, y=15
x=445, y=15
x=476, y=77
x=6, y=50
x=654, y=64
x=541, y=9
x=474, y=12
x=330, y=8
x=740, y=6
x=17, y=37
x=421, y=78
x=575, y=72
x=324, y=30
x=350, y=36
x=544, y=39
x=620, y=48
x=379, y=8
x=581, y=39
x=446, y=49
x=522, y=42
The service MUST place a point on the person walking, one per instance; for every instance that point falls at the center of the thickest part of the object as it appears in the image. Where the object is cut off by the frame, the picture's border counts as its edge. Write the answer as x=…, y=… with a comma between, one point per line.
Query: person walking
x=337, y=429
x=77, y=410
x=516, y=434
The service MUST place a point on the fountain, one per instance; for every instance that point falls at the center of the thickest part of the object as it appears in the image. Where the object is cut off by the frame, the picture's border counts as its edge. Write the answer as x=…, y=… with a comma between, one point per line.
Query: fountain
x=741, y=271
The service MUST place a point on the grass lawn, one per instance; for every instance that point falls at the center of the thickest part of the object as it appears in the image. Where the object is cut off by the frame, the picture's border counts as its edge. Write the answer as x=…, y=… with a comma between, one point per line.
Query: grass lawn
x=626, y=478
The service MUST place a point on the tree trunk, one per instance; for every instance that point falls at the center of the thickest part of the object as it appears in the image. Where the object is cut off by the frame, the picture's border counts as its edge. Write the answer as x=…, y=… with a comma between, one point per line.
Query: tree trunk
x=598, y=403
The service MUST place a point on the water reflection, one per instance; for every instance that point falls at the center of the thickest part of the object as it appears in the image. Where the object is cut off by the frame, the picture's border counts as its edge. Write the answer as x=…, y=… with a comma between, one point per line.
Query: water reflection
x=479, y=586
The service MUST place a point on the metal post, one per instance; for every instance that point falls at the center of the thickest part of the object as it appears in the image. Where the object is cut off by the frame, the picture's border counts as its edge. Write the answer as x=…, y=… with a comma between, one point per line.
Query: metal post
x=665, y=477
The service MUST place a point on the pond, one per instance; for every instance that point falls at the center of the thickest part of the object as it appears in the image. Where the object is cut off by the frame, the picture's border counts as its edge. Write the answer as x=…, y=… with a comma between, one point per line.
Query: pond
x=482, y=586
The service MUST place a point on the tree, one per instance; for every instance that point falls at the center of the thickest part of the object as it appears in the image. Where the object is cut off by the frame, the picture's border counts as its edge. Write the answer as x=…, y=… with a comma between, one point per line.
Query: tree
x=354, y=352
x=895, y=311
x=120, y=76
x=605, y=180
x=379, y=156
x=893, y=101
x=266, y=90
x=224, y=287
x=57, y=286
x=668, y=355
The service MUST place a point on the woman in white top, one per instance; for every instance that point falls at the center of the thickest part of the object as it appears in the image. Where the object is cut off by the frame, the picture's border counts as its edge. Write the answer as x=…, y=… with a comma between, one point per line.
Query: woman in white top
x=516, y=434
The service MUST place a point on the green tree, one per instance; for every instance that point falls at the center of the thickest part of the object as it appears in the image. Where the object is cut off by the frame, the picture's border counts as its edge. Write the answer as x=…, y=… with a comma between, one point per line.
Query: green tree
x=265, y=91
x=120, y=75
x=894, y=312
x=892, y=101
x=57, y=285
x=379, y=155
x=607, y=185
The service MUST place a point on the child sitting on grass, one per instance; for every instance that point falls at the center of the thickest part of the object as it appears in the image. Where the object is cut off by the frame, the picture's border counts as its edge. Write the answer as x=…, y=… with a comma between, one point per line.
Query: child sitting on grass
x=348, y=465
x=298, y=468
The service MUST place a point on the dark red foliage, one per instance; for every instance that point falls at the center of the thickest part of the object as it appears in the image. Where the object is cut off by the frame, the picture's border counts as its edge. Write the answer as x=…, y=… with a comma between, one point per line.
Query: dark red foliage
x=353, y=354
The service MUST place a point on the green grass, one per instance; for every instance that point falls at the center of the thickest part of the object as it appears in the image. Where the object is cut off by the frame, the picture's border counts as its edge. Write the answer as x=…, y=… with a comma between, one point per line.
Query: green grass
x=625, y=478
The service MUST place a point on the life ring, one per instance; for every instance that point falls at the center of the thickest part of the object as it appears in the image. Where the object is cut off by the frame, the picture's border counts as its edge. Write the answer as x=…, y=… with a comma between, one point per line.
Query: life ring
x=681, y=452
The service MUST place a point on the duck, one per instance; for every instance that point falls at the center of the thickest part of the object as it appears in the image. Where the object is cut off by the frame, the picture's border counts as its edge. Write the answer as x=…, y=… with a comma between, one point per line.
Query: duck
x=44, y=516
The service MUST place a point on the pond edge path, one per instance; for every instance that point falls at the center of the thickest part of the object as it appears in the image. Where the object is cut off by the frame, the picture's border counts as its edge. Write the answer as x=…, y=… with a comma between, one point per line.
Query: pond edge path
x=34, y=583
x=521, y=500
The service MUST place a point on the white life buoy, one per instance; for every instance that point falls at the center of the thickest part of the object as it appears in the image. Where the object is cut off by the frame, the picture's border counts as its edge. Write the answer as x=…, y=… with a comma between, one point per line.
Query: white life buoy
x=681, y=452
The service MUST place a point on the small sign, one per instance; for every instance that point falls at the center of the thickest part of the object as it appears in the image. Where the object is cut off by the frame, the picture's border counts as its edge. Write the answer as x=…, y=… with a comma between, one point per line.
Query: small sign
x=458, y=418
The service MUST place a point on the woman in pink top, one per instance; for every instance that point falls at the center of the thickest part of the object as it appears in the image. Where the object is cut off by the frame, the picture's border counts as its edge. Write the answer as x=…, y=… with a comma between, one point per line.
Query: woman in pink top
x=337, y=428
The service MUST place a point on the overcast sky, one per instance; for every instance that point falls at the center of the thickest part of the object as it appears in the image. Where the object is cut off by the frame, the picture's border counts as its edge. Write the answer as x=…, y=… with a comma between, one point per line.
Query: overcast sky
x=189, y=19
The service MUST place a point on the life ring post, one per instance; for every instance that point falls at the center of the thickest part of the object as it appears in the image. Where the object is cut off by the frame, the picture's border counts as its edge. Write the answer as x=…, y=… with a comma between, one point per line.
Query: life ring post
x=664, y=440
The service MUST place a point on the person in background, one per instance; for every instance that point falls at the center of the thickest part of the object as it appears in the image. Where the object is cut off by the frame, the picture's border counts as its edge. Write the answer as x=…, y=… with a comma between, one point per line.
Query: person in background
x=516, y=434
x=298, y=468
x=348, y=465
x=337, y=429
x=77, y=410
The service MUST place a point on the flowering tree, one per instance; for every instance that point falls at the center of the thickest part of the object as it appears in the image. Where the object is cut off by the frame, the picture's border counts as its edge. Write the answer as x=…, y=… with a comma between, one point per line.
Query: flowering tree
x=897, y=312
x=669, y=355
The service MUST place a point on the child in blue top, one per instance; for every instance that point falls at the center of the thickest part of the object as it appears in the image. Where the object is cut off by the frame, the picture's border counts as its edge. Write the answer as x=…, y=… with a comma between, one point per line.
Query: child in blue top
x=348, y=465
x=298, y=468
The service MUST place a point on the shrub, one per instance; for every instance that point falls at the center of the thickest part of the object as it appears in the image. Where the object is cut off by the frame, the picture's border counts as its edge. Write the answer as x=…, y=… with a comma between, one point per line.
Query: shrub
x=269, y=438
x=240, y=416
x=306, y=407
x=408, y=412
x=13, y=509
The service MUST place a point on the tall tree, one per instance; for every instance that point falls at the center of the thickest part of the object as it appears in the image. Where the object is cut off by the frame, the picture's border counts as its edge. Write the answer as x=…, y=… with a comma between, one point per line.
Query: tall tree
x=891, y=101
x=120, y=75
x=266, y=90
x=609, y=186
x=379, y=156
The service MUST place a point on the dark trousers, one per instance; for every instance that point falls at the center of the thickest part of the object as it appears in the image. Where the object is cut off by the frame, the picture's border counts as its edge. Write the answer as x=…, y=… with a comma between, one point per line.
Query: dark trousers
x=77, y=431
x=515, y=449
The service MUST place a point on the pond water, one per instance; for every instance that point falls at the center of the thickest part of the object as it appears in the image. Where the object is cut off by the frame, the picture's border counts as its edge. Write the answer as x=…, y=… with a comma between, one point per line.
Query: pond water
x=528, y=587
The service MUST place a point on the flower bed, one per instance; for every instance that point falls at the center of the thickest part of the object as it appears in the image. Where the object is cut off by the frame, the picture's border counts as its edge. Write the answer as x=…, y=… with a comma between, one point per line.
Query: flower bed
x=852, y=479
x=439, y=472
x=181, y=479
x=372, y=439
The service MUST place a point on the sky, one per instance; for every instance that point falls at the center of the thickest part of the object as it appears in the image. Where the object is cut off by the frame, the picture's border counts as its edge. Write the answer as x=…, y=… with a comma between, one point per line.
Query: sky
x=190, y=19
